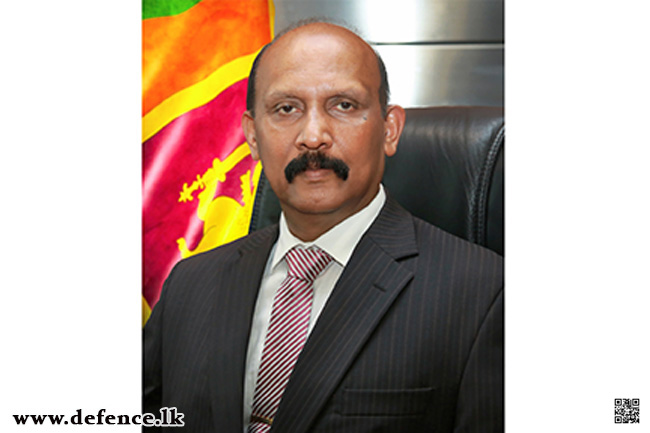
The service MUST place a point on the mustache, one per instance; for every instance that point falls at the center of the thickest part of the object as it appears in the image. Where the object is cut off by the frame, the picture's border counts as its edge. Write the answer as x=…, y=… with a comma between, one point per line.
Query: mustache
x=315, y=160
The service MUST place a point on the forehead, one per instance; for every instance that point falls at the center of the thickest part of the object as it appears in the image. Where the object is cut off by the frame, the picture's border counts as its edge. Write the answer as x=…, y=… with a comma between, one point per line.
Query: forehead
x=319, y=56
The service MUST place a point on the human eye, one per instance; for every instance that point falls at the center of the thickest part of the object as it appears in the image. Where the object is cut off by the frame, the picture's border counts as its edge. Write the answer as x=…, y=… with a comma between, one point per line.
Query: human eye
x=345, y=105
x=286, y=108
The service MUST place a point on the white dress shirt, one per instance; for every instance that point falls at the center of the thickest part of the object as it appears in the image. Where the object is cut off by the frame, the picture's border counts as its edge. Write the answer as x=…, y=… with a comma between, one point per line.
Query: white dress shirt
x=339, y=242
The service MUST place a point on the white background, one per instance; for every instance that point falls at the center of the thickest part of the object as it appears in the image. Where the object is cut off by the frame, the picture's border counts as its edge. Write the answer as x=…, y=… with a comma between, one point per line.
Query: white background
x=70, y=303
x=577, y=212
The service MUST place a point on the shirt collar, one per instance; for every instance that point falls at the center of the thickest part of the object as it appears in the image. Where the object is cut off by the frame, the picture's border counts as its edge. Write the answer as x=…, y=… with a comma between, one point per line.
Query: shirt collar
x=339, y=241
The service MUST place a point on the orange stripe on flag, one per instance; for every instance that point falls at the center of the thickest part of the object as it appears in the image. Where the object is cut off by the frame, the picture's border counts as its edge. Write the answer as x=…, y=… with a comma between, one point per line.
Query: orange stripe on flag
x=196, y=95
x=182, y=50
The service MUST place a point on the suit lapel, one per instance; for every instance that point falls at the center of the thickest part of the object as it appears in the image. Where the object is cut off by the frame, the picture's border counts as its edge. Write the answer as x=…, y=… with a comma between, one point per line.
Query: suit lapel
x=367, y=287
x=231, y=327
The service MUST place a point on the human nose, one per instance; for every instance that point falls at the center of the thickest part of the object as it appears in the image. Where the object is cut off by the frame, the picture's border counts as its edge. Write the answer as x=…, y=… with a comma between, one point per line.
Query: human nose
x=315, y=133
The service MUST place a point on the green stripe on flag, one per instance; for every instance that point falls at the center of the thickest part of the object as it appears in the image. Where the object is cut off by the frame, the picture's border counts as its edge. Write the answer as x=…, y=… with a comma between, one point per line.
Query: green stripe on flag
x=165, y=8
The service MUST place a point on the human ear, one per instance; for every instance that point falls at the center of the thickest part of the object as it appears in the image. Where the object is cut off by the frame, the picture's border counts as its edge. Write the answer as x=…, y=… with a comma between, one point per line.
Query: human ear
x=248, y=126
x=393, y=126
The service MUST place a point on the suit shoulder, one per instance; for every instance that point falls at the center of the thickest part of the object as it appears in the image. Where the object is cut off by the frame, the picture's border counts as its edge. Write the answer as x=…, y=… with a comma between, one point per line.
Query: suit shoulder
x=466, y=272
x=431, y=237
x=230, y=251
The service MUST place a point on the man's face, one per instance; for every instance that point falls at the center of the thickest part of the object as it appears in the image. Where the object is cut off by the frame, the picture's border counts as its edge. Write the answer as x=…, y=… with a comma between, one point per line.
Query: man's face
x=317, y=91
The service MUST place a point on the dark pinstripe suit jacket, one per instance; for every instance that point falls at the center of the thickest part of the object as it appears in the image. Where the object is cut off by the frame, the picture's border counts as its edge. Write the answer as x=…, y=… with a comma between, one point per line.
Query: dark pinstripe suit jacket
x=411, y=339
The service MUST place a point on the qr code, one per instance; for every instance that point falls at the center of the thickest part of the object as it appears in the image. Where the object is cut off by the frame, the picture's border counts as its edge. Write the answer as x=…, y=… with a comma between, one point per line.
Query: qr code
x=626, y=410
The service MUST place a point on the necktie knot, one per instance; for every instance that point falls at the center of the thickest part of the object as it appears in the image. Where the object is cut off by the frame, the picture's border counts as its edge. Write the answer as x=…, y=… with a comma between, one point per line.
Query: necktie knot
x=307, y=264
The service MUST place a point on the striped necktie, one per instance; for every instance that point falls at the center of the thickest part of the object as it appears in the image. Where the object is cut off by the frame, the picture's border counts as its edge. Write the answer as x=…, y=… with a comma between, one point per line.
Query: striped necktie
x=287, y=332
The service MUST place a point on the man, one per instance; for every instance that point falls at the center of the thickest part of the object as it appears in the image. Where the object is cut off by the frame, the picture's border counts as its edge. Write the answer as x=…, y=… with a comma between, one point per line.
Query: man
x=401, y=323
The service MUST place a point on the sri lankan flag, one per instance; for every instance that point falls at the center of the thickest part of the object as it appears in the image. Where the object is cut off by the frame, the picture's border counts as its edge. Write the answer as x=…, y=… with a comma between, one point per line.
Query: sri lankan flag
x=198, y=177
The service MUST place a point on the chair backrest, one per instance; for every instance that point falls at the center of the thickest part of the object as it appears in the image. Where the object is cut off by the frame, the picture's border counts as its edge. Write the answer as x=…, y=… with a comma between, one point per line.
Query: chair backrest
x=448, y=170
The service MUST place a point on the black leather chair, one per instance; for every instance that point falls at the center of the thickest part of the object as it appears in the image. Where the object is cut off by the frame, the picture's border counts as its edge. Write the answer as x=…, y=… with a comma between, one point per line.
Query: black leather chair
x=448, y=170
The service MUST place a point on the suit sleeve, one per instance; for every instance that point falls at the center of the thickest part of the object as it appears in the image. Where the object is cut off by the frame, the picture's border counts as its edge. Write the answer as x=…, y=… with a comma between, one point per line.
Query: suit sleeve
x=480, y=399
x=152, y=358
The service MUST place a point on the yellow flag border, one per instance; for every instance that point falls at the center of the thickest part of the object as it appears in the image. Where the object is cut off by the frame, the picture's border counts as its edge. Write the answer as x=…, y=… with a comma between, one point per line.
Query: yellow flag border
x=196, y=95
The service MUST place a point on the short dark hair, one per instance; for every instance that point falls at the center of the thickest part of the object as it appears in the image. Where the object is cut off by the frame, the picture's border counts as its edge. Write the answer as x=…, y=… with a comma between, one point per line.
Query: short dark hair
x=384, y=89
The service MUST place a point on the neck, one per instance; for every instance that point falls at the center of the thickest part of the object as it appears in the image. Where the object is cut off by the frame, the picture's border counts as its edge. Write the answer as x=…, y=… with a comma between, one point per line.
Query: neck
x=308, y=228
